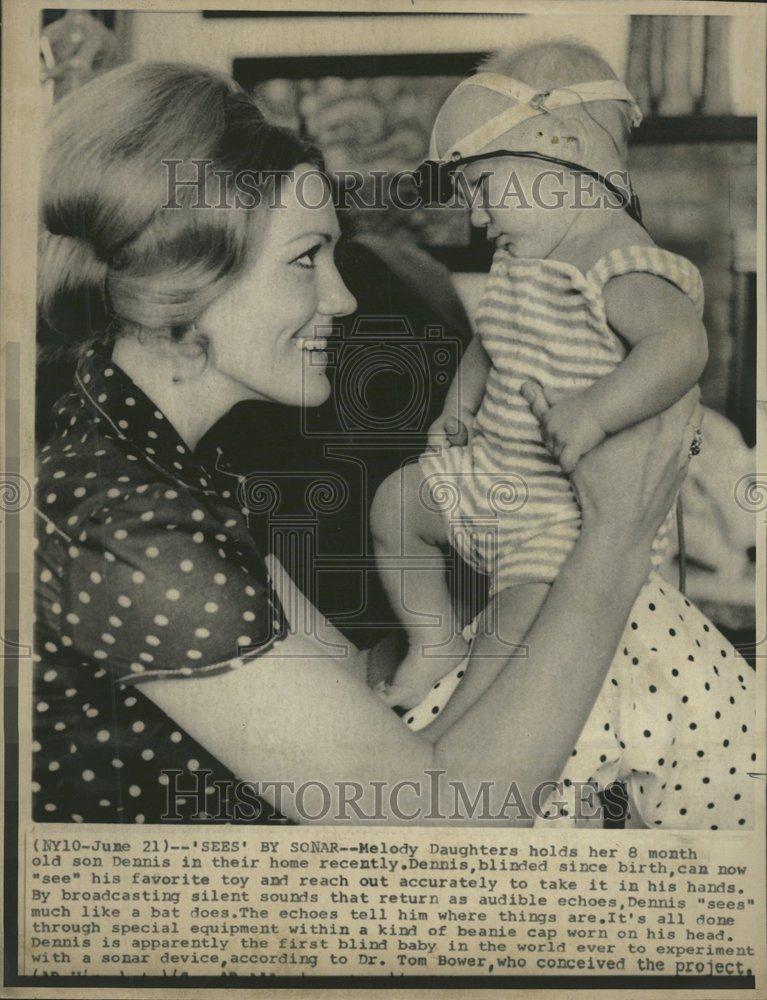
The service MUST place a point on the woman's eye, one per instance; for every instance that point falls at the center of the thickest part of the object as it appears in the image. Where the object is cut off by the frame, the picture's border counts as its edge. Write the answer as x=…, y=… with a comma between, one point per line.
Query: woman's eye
x=306, y=260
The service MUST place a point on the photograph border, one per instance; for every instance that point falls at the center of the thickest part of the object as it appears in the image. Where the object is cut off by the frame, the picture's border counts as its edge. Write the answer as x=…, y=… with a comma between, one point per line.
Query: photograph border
x=16, y=236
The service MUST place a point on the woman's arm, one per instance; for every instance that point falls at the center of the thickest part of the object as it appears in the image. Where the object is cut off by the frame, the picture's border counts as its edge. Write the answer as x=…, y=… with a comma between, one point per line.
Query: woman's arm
x=299, y=609
x=548, y=695
x=514, y=613
x=500, y=644
x=292, y=716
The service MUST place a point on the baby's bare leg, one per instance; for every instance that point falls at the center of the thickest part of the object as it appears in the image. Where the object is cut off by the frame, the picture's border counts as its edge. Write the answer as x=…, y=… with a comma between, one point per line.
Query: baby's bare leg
x=407, y=536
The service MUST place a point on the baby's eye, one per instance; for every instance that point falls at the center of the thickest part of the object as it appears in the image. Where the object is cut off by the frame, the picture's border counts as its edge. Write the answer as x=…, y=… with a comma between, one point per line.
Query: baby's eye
x=473, y=193
x=306, y=260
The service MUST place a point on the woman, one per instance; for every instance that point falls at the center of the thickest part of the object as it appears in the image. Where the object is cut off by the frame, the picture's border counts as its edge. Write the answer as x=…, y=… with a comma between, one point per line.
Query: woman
x=163, y=652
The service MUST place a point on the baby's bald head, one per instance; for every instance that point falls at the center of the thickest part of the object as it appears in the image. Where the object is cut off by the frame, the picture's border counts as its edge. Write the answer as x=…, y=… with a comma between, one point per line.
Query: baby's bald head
x=548, y=65
x=543, y=66
x=557, y=64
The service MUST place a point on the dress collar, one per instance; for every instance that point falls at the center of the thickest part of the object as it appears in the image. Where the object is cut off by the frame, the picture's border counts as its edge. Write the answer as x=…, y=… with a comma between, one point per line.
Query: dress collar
x=129, y=416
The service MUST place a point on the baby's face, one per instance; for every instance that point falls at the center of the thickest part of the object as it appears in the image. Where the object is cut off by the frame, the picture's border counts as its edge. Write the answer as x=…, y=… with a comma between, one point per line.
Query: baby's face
x=526, y=205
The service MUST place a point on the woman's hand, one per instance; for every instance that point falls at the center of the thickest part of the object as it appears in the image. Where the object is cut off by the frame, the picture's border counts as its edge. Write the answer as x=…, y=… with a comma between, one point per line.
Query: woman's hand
x=630, y=481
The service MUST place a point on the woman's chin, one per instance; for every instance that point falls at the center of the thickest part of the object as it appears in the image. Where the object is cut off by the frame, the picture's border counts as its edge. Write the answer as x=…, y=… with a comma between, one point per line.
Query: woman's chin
x=310, y=389
x=315, y=389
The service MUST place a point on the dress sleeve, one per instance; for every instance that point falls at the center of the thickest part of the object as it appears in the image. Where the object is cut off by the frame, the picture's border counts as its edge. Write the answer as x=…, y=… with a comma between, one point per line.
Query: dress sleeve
x=158, y=588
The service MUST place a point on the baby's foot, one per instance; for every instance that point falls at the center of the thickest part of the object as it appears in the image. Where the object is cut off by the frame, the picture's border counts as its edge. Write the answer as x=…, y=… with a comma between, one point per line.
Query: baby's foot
x=417, y=675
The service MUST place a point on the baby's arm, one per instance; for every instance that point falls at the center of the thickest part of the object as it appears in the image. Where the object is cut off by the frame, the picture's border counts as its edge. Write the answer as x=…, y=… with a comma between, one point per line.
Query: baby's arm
x=465, y=393
x=468, y=386
x=668, y=352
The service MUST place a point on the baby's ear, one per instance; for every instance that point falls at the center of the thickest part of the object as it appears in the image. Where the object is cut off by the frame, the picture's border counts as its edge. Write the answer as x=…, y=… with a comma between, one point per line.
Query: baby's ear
x=569, y=138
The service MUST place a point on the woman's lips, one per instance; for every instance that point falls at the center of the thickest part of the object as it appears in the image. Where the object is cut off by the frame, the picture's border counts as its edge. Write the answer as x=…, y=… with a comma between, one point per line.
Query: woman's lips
x=315, y=347
x=313, y=343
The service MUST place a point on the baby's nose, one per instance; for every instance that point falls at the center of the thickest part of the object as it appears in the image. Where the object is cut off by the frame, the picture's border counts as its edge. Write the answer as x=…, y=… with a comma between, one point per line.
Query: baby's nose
x=480, y=216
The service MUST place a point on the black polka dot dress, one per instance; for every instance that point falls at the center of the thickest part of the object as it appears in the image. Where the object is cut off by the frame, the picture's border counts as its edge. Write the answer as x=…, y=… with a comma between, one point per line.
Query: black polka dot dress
x=145, y=567
x=675, y=721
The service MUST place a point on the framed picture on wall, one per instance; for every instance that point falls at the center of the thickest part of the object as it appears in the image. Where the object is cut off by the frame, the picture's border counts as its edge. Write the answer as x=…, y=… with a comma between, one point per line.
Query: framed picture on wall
x=373, y=114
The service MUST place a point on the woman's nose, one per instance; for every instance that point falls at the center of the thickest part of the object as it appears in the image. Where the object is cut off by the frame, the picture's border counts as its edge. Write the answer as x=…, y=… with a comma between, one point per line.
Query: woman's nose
x=336, y=299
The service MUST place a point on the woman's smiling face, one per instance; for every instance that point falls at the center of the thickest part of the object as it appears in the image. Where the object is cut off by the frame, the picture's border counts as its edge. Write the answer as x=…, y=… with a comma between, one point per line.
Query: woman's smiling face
x=259, y=329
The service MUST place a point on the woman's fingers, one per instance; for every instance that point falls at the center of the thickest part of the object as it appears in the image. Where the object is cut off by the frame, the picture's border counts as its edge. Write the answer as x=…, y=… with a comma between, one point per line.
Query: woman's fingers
x=540, y=398
x=446, y=432
x=568, y=459
x=437, y=437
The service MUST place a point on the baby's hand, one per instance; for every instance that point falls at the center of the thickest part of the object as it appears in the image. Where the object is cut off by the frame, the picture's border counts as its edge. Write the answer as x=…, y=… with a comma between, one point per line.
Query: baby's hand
x=569, y=427
x=451, y=428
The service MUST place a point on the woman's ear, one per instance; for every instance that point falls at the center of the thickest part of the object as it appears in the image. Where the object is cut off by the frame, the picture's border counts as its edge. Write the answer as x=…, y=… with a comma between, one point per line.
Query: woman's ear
x=182, y=351
x=191, y=353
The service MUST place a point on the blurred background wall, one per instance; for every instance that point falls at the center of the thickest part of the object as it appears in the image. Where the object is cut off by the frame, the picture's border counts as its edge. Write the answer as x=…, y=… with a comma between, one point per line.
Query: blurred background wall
x=217, y=41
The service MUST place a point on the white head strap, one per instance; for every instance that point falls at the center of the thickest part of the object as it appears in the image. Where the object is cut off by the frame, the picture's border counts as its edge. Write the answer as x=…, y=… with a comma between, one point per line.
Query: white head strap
x=528, y=103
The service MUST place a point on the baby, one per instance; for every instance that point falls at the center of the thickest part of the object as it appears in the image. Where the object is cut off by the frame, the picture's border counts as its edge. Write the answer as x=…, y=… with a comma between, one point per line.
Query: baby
x=584, y=328
x=579, y=300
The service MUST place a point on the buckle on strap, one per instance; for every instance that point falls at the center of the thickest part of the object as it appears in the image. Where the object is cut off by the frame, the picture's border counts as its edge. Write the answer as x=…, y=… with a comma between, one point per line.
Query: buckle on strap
x=537, y=100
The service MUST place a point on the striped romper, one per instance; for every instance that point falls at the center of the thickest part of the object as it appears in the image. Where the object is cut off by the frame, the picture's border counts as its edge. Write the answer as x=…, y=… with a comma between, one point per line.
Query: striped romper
x=510, y=509
x=674, y=719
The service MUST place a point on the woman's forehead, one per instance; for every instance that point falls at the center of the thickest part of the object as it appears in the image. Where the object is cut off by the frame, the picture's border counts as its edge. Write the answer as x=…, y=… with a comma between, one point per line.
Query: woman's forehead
x=305, y=206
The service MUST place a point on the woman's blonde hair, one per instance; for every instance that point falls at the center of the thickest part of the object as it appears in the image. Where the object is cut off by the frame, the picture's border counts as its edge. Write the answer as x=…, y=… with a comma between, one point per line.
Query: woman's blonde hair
x=119, y=248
